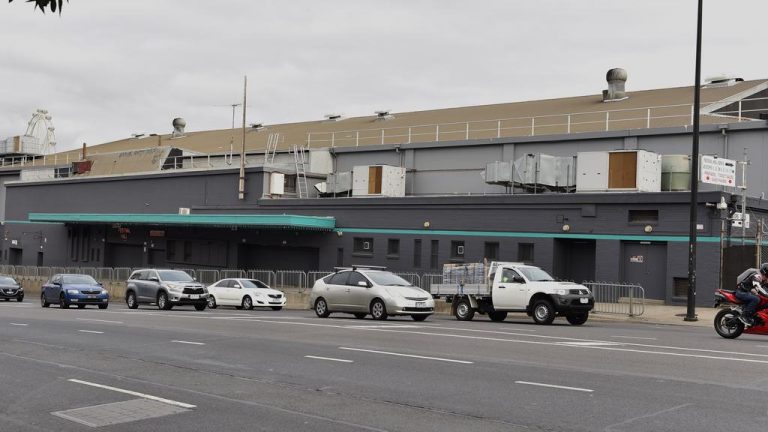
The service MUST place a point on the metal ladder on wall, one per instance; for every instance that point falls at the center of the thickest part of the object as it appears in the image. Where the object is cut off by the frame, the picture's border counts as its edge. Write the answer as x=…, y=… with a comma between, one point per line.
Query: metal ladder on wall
x=300, y=159
x=272, y=141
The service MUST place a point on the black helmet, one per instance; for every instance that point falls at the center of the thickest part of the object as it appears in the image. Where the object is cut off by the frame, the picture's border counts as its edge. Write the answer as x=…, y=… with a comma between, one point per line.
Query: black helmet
x=764, y=269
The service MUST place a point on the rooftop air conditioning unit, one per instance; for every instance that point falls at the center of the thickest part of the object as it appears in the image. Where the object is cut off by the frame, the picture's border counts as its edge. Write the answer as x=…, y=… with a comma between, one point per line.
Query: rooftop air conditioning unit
x=183, y=210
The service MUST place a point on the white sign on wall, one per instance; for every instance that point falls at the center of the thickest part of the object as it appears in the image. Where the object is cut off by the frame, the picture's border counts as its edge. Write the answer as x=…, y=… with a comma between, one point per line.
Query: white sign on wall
x=718, y=171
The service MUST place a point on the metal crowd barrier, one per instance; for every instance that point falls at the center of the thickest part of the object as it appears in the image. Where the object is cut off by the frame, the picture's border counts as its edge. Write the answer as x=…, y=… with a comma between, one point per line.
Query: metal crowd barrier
x=616, y=298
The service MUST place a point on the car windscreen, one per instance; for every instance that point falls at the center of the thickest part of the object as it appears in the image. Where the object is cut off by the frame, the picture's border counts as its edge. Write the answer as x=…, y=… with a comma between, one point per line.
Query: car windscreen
x=253, y=283
x=174, y=276
x=5, y=280
x=78, y=279
x=387, y=279
x=535, y=274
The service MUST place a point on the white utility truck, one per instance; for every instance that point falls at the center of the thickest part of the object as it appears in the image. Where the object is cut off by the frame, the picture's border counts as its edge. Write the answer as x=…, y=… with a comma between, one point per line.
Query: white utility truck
x=501, y=287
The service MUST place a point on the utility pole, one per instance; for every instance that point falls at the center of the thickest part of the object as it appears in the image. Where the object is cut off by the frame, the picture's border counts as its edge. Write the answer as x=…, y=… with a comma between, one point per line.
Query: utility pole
x=691, y=310
x=241, y=180
x=744, y=164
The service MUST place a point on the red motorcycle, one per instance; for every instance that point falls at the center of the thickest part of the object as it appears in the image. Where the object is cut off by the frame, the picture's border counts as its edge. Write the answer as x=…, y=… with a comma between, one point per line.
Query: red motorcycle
x=727, y=322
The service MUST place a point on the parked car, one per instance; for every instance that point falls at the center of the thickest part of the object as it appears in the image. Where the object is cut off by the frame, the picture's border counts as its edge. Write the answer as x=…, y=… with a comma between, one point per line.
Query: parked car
x=166, y=288
x=370, y=290
x=73, y=289
x=244, y=294
x=10, y=288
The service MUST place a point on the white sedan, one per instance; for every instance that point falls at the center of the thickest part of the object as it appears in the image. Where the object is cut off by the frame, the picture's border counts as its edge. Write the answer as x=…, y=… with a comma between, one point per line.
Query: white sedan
x=244, y=294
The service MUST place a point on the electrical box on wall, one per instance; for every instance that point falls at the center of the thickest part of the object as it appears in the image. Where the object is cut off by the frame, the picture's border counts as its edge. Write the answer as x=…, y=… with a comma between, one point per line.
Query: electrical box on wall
x=378, y=180
x=276, y=183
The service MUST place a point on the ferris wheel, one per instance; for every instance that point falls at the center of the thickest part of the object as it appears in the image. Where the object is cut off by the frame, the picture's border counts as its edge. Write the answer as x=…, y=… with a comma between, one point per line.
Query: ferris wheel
x=41, y=128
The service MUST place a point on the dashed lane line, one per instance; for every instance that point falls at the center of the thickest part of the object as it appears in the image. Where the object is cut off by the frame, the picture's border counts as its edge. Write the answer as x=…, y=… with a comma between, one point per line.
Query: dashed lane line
x=329, y=359
x=406, y=355
x=586, y=390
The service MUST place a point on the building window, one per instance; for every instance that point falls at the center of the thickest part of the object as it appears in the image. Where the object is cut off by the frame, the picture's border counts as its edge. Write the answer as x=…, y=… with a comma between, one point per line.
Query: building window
x=643, y=216
x=417, y=253
x=457, y=250
x=491, y=251
x=525, y=252
x=433, y=254
x=289, y=184
x=393, y=248
x=363, y=246
x=187, y=251
x=680, y=287
x=170, y=250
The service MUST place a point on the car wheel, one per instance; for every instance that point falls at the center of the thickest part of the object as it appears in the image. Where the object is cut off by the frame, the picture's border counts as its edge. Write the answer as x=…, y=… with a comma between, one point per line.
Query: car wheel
x=276, y=307
x=361, y=315
x=63, y=302
x=130, y=300
x=103, y=306
x=497, y=316
x=543, y=312
x=201, y=307
x=419, y=317
x=81, y=306
x=577, y=318
x=378, y=310
x=43, y=302
x=247, y=303
x=162, y=301
x=321, y=308
x=212, y=302
x=464, y=310
x=20, y=299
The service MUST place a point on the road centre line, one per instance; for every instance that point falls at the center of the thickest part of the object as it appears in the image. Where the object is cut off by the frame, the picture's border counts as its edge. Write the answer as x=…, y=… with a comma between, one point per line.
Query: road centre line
x=407, y=355
x=133, y=393
x=188, y=342
x=329, y=359
x=99, y=320
x=91, y=331
x=555, y=386
x=19, y=324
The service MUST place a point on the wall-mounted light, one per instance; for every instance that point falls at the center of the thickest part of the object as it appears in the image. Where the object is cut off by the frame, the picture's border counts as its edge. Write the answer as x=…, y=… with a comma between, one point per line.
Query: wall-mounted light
x=648, y=229
x=566, y=227
x=339, y=233
x=426, y=224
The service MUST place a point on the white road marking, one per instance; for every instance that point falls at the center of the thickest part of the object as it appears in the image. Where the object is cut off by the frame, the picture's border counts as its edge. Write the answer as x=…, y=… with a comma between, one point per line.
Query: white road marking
x=407, y=355
x=634, y=337
x=133, y=393
x=91, y=331
x=381, y=326
x=99, y=320
x=555, y=386
x=188, y=342
x=329, y=359
x=19, y=324
x=588, y=344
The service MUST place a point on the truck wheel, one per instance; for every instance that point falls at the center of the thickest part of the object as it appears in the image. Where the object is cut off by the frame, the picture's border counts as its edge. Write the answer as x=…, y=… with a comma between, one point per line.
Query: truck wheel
x=543, y=312
x=464, y=311
x=497, y=316
x=577, y=318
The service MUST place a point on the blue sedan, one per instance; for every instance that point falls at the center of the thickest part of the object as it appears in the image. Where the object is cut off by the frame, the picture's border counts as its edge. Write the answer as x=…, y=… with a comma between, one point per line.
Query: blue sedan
x=73, y=289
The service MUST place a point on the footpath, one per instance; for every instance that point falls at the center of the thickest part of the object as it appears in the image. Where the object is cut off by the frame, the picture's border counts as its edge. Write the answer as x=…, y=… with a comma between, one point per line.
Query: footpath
x=662, y=314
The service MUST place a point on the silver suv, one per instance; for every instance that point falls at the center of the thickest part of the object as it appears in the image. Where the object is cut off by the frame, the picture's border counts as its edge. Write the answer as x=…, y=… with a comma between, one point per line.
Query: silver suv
x=166, y=288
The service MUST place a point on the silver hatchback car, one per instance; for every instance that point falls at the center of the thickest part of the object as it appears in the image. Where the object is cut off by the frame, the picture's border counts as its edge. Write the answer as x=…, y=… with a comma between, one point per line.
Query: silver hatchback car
x=366, y=290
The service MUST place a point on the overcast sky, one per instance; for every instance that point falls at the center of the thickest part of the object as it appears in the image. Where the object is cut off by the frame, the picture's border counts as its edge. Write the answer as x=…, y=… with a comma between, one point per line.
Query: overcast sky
x=107, y=69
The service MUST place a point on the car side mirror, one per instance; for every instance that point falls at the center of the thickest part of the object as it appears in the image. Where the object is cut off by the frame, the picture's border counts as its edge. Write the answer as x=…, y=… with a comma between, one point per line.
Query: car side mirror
x=236, y=286
x=363, y=284
x=153, y=279
x=58, y=284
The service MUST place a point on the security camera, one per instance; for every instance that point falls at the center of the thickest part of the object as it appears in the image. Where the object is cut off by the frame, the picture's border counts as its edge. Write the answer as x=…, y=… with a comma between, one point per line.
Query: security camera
x=722, y=205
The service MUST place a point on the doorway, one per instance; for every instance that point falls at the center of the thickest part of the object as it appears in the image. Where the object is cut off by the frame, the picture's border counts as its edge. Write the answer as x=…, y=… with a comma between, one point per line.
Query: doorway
x=645, y=264
x=574, y=260
x=14, y=256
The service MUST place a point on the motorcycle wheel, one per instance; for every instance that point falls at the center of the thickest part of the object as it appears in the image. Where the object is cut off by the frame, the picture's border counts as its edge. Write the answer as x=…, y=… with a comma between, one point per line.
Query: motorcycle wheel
x=728, y=325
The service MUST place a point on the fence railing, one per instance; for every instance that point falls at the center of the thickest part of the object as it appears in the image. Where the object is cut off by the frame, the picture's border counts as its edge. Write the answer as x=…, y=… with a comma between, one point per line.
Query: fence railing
x=616, y=298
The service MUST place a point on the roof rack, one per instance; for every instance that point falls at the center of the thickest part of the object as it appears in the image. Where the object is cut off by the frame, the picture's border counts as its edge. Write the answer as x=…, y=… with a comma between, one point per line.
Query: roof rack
x=360, y=266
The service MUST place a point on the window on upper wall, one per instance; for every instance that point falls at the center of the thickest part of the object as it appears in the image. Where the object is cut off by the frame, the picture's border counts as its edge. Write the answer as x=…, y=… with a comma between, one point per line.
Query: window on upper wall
x=170, y=250
x=417, y=253
x=363, y=246
x=289, y=184
x=393, y=248
x=643, y=216
x=525, y=252
x=433, y=254
x=457, y=250
x=491, y=251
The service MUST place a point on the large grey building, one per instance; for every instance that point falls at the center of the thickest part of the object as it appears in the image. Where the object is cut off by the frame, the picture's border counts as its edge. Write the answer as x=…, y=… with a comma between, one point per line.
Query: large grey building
x=411, y=191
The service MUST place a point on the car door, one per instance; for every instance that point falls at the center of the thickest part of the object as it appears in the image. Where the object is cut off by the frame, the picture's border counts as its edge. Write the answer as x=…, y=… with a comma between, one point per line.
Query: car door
x=510, y=290
x=335, y=290
x=232, y=292
x=55, y=289
x=358, y=296
x=49, y=289
x=146, y=291
x=218, y=291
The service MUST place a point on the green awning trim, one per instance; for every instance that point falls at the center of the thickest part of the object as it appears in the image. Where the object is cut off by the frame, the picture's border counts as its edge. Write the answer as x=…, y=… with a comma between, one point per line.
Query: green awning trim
x=256, y=221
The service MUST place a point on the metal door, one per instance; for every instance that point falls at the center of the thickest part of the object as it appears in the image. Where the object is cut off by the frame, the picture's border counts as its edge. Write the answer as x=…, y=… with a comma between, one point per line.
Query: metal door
x=645, y=263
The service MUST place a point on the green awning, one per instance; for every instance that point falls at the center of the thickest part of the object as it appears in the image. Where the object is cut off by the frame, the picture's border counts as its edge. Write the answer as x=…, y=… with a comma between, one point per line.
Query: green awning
x=316, y=223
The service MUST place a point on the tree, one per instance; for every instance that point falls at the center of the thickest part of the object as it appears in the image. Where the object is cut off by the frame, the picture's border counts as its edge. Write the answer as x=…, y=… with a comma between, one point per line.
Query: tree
x=42, y=4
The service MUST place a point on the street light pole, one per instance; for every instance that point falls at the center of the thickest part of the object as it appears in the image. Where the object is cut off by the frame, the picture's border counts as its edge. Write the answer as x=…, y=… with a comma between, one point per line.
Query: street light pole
x=691, y=311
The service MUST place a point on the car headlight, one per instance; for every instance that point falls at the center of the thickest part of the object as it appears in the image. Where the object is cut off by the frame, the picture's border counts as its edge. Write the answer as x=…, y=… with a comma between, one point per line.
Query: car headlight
x=104, y=292
x=72, y=291
x=561, y=291
x=172, y=287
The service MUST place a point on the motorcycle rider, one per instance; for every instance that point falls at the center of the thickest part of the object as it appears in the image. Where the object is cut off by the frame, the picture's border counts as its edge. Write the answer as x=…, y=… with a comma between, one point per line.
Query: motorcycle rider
x=746, y=291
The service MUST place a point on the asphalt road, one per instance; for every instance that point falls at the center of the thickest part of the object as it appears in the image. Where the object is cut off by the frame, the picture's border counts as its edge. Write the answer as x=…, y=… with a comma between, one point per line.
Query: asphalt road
x=233, y=370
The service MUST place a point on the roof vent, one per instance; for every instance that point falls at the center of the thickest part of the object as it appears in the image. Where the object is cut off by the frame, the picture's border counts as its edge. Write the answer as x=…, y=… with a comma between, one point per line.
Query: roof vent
x=616, y=78
x=178, y=127
x=257, y=126
x=384, y=115
x=721, y=81
x=333, y=117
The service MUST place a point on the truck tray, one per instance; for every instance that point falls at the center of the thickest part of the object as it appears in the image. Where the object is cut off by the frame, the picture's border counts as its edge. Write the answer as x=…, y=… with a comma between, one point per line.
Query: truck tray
x=466, y=289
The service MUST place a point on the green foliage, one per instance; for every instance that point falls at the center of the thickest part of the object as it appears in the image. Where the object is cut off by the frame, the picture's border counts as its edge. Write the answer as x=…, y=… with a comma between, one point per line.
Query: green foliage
x=51, y=4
